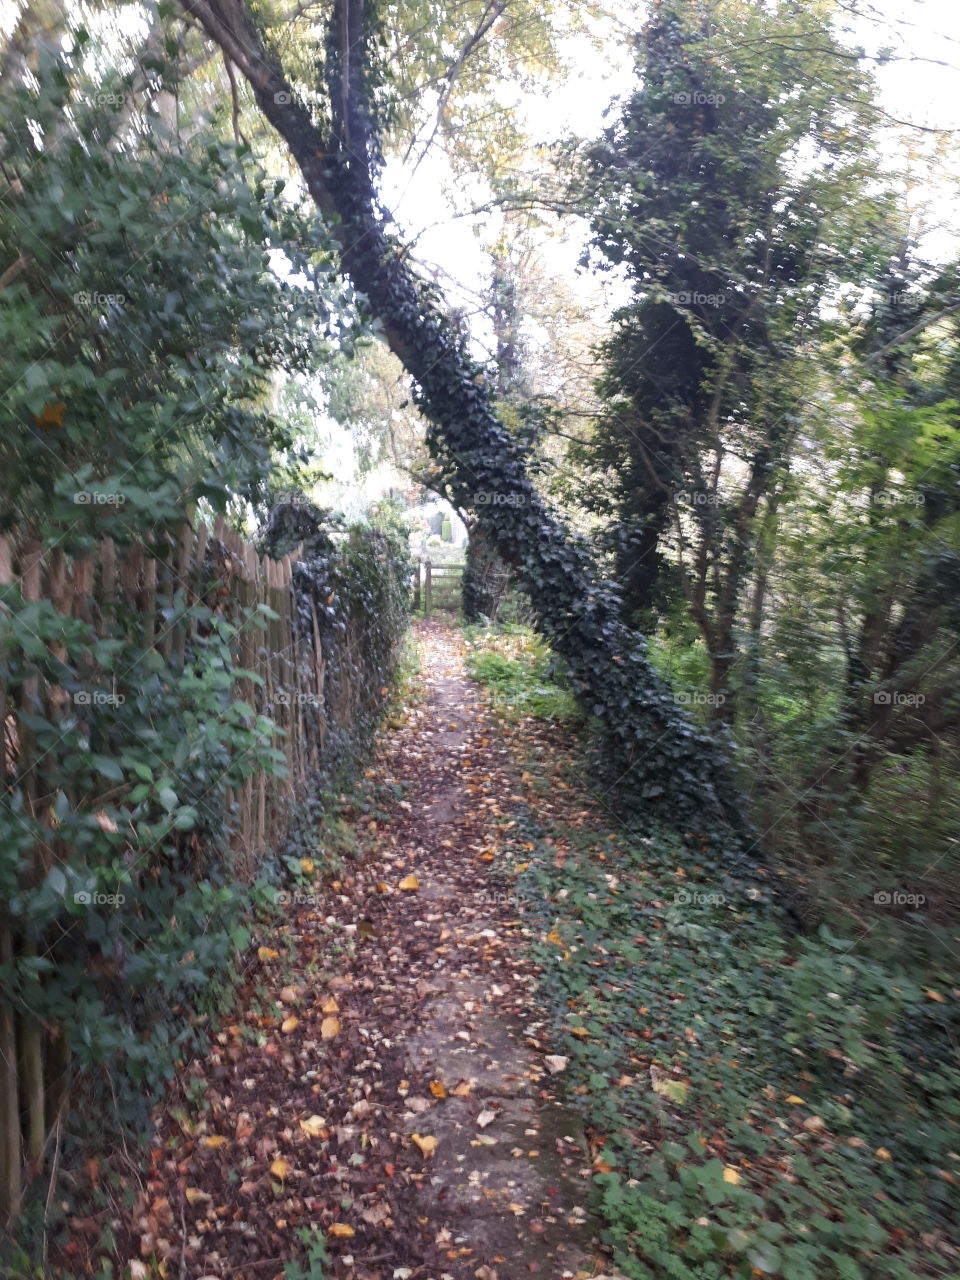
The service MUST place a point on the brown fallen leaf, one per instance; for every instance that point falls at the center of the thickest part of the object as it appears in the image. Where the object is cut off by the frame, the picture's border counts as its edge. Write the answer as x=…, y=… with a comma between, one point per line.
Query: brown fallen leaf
x=267, y=953
x=289, y=1024
x=314, y=1126
x=438, y=1088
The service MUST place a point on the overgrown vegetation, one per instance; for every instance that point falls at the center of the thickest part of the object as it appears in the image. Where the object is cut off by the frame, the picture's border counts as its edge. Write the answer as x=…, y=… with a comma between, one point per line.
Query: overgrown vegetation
x=745, y=1088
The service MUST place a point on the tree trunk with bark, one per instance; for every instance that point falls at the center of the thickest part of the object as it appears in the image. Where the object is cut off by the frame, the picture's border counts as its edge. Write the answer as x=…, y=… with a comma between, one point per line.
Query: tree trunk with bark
x=661, y=764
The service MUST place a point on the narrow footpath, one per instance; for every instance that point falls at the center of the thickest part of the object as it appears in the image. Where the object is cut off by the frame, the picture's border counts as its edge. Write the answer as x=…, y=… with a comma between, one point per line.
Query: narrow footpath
x=385, y=1096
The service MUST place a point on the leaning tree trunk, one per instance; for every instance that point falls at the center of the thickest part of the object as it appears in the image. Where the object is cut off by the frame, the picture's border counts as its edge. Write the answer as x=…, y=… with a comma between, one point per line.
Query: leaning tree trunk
x=484, y=576
x=658, y=762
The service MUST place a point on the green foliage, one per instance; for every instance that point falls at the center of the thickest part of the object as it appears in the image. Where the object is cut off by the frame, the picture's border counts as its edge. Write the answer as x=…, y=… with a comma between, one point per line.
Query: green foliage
x=708, y=1042
x=522, y=675
x=144, y=312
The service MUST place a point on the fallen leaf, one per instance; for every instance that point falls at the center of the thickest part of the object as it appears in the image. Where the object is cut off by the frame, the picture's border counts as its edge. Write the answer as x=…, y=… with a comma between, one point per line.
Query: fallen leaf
x=194, y=1194
x=675, y=1090
x=555, y=1063
x=426, y=1143
x=330, y=1005
x=883, y=1154
x=731, y=1175
x=215, y=1140
x=314, y=1126
x=409, y=884
x=484, y=1118
x=288, y=995
x=289, y=1024
x=329, y=1028
x=462, y=1090
x=935, y=995
x=795, y=1101
x=280, y=1168
x=340, y=1229
x=267, y=953
x=438, y=1088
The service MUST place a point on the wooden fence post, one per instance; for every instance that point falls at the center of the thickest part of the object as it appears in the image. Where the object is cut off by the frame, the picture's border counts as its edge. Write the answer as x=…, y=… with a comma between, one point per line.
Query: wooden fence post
x=427, y=588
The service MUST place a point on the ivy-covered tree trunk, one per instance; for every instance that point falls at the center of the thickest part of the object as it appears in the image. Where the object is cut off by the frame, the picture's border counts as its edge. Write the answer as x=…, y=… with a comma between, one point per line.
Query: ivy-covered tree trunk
x=658, y=761
x=484, y=576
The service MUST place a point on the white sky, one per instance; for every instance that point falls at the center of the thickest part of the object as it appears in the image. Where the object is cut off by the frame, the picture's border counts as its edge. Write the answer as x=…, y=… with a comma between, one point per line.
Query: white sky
x=916, y=88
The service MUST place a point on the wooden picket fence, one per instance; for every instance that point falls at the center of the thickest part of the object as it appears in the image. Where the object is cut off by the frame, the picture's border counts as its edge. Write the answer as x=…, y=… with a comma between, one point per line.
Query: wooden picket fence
x=215, y=567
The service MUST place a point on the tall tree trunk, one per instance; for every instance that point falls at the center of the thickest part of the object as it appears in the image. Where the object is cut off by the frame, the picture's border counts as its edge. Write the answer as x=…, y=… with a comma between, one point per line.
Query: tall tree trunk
x=484, y=576
x=662, y=765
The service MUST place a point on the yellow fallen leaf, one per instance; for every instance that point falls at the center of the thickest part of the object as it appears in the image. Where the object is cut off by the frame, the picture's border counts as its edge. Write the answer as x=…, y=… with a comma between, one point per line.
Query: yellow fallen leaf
x=409, y=884
x=486, y=857
x=731, y=1175
x=883, y=1154
x=330, y=1005
x=438, y=1088
x=426, y=1143
x=555, y=938
x=267, y=953
x=582, y=1032
x=307, y=866
x=462, y=1090
x=521, y=867
x=289, y=1024
x=314, y=1126
x=215, y=1140
x=795, y=1101
x=329, y=1028
x=340, y=1229
x=280, y=1168
x=194, y=1194
x=935, y=995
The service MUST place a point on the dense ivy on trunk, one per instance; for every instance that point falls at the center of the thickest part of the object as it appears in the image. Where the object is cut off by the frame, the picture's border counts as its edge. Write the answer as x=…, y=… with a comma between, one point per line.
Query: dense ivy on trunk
x=657, y=761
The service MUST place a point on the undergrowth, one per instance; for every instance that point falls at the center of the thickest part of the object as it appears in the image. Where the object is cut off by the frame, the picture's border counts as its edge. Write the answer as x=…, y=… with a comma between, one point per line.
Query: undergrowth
x=757, y=1103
